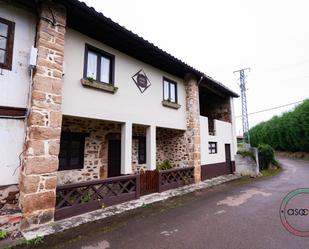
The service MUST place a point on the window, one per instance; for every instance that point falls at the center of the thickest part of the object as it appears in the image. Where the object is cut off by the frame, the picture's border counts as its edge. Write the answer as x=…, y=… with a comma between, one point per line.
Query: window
x=141, y=150
x=99, y=65
x=169, y=90
x=6, y=43
x=72, y=147
x=212, y=147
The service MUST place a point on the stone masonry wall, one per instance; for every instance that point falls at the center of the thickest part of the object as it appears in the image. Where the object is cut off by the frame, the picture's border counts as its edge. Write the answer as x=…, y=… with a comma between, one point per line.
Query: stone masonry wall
x=192, y=133
x=137, y=131
x=171, y=145
x=10, y=213
x=38, y=175
x=96, y=149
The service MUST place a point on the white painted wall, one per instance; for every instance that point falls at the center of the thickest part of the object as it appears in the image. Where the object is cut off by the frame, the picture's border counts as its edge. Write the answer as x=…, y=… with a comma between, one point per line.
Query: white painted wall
x=224, y=135
x=233, y=118
x=14, y=84
x=127, y=104
x=14, y=87
x=12, y=137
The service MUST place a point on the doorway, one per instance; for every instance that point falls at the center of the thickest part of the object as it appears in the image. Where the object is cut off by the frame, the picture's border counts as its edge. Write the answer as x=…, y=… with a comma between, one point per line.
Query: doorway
x=114, y=157
x=228, y=158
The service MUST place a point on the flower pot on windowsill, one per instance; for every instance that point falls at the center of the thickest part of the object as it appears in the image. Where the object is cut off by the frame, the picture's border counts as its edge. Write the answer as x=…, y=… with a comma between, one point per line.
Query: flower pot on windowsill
x=170, y=104
x=90, y=82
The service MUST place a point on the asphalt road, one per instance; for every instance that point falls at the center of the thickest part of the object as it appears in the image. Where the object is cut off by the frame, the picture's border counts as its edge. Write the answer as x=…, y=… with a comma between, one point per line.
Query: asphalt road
x=236, y=215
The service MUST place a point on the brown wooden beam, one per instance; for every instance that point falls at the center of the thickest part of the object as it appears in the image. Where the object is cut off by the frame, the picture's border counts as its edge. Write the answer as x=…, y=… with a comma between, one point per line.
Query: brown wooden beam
x=10, y=111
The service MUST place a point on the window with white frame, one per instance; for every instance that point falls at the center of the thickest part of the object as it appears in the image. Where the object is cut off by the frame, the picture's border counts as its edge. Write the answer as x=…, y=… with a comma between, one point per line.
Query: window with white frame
x=99, y=65
x=212, y=147
x=169, y=90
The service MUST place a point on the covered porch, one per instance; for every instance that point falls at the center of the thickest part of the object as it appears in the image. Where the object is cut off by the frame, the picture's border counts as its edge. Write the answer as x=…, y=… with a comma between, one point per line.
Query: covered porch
x=102, y=163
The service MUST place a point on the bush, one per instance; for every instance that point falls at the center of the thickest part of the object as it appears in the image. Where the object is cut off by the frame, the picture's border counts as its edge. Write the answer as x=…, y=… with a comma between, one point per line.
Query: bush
x=166, y=164
x=288, y=132
x=3, y=234
x=246, y=153
x=266, y=156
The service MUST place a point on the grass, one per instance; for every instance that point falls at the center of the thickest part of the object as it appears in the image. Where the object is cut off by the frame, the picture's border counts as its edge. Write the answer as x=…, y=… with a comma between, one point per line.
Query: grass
x=33, y=242
x=270, y=172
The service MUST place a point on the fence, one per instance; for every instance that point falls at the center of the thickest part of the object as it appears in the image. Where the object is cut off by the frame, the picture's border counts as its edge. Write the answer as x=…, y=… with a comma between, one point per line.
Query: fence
x=78, y=198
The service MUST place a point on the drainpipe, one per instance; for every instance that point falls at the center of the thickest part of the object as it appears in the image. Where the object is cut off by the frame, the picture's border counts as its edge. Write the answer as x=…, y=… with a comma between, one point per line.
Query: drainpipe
x=199, y=82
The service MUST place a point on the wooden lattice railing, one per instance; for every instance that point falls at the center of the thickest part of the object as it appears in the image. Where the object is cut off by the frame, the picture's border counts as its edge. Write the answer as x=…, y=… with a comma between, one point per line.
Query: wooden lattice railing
x=174, y=178
x=78, y=198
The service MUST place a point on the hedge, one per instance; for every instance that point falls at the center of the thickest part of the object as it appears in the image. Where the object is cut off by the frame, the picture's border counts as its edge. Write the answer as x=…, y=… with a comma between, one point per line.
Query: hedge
x=288, y=132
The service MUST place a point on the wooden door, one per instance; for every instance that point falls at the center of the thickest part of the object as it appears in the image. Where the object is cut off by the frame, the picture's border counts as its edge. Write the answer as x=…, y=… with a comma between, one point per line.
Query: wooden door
x=114, y=157
x=228, y=158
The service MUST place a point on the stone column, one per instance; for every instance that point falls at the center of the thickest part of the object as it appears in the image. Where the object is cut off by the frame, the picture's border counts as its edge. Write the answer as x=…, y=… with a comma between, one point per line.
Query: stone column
x=38, y=177
x=151, y=150
x=193, y=125
x=126, y=148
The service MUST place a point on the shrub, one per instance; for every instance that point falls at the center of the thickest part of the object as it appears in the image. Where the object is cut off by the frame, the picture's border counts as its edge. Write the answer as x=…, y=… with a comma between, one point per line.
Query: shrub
x=3, y=234
x=246, y=153
x=266, y=156
x=166, y=164
x=288, y=132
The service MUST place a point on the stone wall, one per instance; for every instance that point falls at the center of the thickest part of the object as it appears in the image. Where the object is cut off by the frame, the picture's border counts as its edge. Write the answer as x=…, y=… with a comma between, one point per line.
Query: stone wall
x=171, y=145
x=192, y=134
x=10, y=213
x=245, y=165
x=96, y=149
x=137, y=131
x=38, y=177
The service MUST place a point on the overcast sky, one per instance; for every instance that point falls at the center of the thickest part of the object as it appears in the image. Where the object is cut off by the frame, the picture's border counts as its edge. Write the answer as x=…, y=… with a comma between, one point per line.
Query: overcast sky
x=219, y=37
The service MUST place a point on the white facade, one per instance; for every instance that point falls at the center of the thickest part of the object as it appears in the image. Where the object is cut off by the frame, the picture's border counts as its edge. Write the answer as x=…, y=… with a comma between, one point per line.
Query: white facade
x=11, y=146
x=128, y=104
x=223, y=135
x=14, y=85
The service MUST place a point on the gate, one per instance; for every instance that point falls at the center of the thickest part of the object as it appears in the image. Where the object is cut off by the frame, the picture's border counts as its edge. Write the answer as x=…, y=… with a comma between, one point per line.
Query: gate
x=149, y=182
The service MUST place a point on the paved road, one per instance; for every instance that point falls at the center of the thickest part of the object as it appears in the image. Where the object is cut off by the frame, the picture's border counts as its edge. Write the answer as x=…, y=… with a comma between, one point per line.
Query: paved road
x=234, y=215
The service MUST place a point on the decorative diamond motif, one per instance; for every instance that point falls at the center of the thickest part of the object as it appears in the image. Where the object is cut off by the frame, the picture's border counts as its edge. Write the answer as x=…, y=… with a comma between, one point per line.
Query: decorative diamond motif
x=141, y=80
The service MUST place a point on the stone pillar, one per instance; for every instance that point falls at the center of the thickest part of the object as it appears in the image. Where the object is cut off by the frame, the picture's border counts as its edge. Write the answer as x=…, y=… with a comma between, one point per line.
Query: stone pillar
x=193, y=125
x=38, y=177
x=151, y=150
x=126, y=148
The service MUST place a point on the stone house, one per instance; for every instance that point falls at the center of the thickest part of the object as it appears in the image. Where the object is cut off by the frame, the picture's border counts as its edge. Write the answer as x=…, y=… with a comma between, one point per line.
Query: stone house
x=97, y=104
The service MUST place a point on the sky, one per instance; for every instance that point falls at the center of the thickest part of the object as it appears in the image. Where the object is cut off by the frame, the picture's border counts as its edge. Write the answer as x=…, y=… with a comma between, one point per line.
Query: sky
x=218, y=37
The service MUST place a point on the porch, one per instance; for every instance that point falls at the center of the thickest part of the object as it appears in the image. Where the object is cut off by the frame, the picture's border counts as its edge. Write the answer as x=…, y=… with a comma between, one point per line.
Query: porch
x=102, y=163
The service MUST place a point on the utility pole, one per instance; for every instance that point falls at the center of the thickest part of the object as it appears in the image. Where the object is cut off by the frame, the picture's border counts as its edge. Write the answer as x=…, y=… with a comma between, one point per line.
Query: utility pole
x=243, y=89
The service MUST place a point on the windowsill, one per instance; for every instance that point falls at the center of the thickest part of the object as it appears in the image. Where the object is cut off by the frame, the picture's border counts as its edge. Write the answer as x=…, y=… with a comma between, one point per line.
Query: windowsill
x=100, y=86
x=170, y=104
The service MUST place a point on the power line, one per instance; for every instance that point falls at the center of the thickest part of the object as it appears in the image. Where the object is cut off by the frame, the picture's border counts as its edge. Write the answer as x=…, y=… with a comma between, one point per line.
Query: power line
x=273, y=108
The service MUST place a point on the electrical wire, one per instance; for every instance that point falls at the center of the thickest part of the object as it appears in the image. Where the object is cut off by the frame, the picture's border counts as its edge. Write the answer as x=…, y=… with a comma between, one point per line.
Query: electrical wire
x=273, y=108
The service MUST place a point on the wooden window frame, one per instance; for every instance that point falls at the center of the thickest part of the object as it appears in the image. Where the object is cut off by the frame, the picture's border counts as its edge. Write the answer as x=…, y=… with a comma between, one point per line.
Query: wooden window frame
x=213, y=150
x=169, y=90
x=73, y=136
x=140, y=141
x=9, y=45
x=100, y=53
